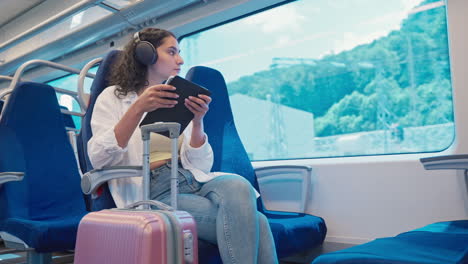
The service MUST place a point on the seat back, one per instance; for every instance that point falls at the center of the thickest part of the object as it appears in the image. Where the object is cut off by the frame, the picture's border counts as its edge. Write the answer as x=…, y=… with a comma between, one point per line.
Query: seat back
x=100, y=82
x=51, y=186
x=229, y=152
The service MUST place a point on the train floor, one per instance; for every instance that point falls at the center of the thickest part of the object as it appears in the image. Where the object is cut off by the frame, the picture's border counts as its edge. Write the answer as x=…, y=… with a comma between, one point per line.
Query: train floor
x=11, y=256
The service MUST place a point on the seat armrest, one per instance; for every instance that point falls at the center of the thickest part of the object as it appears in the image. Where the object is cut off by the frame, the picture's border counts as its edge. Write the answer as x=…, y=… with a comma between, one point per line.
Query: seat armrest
x=285, y=188
x=10, y=176
x=95, y=178
x=454, y=162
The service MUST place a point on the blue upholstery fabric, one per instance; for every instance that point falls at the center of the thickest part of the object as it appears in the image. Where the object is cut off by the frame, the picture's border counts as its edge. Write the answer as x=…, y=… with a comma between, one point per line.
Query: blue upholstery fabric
x=293, y=233
x=441, y=243
x=1, y=105
x=100, y=82
x=45, y=208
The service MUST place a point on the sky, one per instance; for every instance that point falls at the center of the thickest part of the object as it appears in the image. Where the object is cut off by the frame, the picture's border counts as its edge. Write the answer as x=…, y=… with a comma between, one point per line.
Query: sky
x=301, y=29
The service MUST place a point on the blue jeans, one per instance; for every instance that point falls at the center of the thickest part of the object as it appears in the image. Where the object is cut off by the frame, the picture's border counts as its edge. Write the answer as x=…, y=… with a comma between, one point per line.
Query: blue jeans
x=226, y=214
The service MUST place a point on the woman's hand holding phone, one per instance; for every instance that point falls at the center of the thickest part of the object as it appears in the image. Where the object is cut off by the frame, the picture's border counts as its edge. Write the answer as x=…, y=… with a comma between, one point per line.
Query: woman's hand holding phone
x=199, y=106
x=157, y=96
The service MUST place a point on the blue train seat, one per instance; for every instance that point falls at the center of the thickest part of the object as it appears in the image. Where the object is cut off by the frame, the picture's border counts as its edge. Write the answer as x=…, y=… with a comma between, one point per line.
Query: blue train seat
x=443, y=243
x=41, y=212
x=100, y=82
x=293, y=232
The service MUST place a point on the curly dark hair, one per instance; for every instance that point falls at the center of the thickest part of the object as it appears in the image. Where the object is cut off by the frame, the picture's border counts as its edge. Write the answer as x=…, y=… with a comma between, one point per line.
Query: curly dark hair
x=128, y=73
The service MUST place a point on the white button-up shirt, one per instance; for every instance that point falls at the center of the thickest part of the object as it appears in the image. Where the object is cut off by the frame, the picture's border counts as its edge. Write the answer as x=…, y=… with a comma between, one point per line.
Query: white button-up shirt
x=103, y=149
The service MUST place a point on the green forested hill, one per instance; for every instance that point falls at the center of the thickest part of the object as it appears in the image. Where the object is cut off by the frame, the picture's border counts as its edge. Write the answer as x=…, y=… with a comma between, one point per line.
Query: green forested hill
x=401, y=78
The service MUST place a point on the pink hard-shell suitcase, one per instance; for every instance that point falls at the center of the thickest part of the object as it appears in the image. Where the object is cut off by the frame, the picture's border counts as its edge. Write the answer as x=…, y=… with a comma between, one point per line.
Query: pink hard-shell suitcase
x=137, y=236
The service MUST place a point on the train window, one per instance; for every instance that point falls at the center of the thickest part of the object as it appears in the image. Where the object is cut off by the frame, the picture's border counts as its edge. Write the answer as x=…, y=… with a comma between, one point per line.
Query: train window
x=328, y=78
x=70, y=82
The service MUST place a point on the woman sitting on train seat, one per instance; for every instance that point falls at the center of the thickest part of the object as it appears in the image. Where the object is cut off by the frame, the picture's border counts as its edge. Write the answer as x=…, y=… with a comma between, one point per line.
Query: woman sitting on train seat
x=224, y=207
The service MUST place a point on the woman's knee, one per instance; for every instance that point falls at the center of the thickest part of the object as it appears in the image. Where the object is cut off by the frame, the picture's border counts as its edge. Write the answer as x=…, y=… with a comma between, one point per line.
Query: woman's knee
x=236, y=185
x=229, y=189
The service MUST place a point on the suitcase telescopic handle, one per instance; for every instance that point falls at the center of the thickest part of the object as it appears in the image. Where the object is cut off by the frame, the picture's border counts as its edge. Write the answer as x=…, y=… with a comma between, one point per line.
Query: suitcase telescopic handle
x=157, y=204
x=174, y=132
